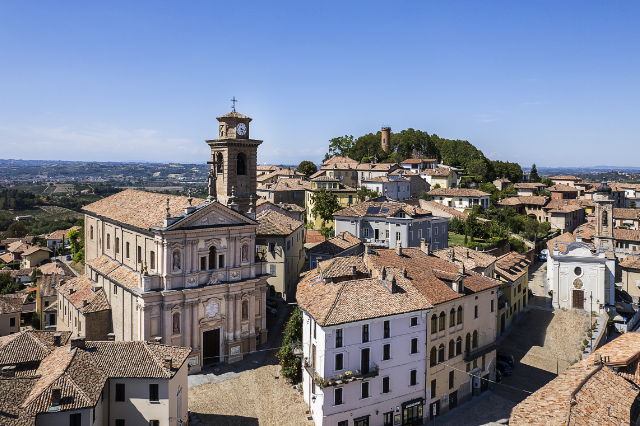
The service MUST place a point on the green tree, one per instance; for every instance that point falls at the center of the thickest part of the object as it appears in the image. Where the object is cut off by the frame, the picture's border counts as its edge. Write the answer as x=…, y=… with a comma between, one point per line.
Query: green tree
x=74, y=237
x=436, y=186
x=79, y=257
x=34, y=274
x=290, y=365
x=325, y=205
x=364, y=192
x=307, y=168
x=35, y=320
x=7, y=284
x=17, y=230
x=632, y=204
x=425, y=196
x=326, y=232
x=341, y=146
x=547, y=182
x=533, y=175
x=479, y=169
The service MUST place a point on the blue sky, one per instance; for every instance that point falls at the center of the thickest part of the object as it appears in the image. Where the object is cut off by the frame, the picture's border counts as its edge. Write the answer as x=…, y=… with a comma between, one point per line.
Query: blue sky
x=555, y=83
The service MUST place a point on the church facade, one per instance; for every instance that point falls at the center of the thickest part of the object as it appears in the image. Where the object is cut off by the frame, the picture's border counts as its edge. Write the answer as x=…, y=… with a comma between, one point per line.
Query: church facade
x=183, y=274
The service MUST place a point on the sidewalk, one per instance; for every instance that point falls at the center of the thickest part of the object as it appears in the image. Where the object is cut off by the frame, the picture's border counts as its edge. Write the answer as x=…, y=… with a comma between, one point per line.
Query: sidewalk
x=596, y=333
x=223, y=371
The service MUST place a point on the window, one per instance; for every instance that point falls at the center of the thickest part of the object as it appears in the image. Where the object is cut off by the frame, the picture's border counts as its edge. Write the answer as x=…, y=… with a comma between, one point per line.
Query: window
x=458, y=345
x=387, y=330
x=452, y=318
x=343, y=423
x=242, y=165
x=152, y=259
x=315, y=329
x=127, y=254
x=12, y=322
x=414, y=321
x=365, y=357
x=212, y=257
x=519, y=288
x=387, y=419
x=452, y=348
x=339, y=338
x=366, y=232
x=91, y=232
x=221, y=261
x=441, y=322
x=364, y=390
x=75, y=419
x=337, y=397
x=397, y=236
x=272, y=269
x=475, y=311
x=414, y=346
x=108, y=241
x=433, y=356
x=433, y=388
x=176, y=323
x=436, y=230
x=434, y=323
x=467, y=343
x=119, y=422
x=386, y=234
x=492, y=306
x=339, y=362
x=475, y=339
x=441, y=353
x=117, y=245
x=288, y=245
x=385, y=385
x=272, y=246
x=154, y=392
x=154, y=422
x=203, y=263
x=413, y=380
x=139, y=259
x=451, y=379
x=365, y=333
x=120, y=392
x=386, y=352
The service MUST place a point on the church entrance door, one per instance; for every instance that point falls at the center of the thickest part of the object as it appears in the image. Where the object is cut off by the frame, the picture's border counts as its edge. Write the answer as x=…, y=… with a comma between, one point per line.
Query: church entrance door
x=578, y=299
x=211, y=346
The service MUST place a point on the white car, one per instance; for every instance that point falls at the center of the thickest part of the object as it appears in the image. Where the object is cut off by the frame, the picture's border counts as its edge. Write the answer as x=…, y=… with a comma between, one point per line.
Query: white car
x=543, y=254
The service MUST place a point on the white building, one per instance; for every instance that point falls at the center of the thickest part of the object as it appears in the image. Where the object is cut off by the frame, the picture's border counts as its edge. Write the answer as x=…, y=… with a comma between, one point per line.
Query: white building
x=392, y=186
x=462, y=199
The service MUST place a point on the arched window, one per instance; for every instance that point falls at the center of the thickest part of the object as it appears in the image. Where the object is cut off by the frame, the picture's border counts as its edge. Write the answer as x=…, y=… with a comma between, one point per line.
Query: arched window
x=434, y=323
x=459, y=345
x=442, y=321
x=467, y=343
x=474, y=342
x=245, y=310
x=176, y=323
x=212, y=257
x=459, y=315
x=452, y=348
x=219, y=161
x=452, y=318
x=433, y=357
x=242, y=164
x=441, y=353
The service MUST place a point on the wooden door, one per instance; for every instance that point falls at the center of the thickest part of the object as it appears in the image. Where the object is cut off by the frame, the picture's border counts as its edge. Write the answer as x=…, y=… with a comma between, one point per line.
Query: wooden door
x=578, y=299
x=211, y=346
x=453, y=400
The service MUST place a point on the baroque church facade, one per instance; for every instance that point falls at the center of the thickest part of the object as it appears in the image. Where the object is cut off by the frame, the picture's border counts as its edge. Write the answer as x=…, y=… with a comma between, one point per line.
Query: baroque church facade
x=185, y=274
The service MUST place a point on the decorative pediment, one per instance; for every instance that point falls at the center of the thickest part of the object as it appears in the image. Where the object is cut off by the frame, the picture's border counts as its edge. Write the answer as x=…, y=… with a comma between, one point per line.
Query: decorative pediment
x=216, y=242
x=177, y=246
x=213, y=214
x=578, y=249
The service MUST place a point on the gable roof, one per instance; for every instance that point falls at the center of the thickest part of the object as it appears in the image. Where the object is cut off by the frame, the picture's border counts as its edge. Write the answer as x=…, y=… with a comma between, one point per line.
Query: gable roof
x=392, y=208
x=626, y=234
x=28, y=346
x=628, y=214
x=458, y=192
x=562, y=188
x=34, y=249
x=563, y=241
x=56, y=268
x=438, y=171
x=471, y=258
x=341, y=242
x=632, y=261
x=564, y=177
x=271, y=222
x=339, y=159
x=512, y=265
x=418, y=160
x=80, y=292
x=529, y=185
x=12, y=303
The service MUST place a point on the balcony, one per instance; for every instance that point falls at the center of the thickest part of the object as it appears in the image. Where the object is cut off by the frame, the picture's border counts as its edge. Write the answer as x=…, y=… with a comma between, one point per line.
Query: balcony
x=356, y=375
x=478, y=352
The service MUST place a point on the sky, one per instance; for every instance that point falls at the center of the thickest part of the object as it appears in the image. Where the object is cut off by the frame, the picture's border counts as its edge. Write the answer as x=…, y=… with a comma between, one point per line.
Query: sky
x=556, y=83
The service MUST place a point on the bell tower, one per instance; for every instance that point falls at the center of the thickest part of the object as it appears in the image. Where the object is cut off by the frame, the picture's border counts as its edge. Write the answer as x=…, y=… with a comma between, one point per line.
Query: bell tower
x=234, y=159
x=604, y=218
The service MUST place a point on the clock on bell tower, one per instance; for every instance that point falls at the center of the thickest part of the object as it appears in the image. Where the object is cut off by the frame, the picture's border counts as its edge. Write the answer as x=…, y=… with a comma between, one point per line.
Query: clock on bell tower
x=235, y=158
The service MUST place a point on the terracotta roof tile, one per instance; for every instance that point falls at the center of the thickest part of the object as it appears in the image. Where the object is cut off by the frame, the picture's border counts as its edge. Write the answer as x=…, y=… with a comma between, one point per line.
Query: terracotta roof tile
x=562, y=240
x=471, y=258
x=103, y=264
x=626, y=234
x=564, y=177
x=435, y=206
x=338, y=159
x=392, y=208
x=632, y=261
x=528, y=185
x=438, y=171
x=33, y=249
x=313, y=236
x=418, y=160
x=629, y=214
x=280, y=173
x=512, y=265
x=83, y=295
x=12, y=303
x=125, y=277
x=562, y=188
x=28, y=346
x=56, y=268
x=48, y=283
x=52, y=307
x=458, y=192
x=338, y=244
x=271, y=222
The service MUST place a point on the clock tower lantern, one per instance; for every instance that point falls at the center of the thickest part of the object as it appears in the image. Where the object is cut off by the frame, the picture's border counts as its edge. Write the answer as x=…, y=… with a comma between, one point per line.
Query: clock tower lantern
x=234, y=159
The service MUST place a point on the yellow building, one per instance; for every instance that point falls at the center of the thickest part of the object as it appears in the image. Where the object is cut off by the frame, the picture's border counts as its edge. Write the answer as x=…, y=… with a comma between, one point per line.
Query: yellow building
x=446, y=177
x=347, y=196
x=34, y=255
x=512, y=269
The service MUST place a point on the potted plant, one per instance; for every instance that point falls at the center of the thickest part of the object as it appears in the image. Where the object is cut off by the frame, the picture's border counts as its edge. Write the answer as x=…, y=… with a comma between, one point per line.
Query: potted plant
x=340, y=378
x=357, y=371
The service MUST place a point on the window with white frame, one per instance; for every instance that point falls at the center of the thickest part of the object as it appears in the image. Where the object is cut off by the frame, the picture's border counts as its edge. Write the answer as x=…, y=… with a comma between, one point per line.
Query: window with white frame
x=364, y=390
x=339, y=365
x=337, y=397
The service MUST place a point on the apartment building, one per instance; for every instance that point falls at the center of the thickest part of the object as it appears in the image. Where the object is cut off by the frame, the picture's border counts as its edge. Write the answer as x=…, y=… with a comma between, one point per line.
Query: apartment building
x=512, y=270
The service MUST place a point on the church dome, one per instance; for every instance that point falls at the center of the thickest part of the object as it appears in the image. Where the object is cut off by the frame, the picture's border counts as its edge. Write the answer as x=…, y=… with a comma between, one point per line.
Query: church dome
x=604, y=188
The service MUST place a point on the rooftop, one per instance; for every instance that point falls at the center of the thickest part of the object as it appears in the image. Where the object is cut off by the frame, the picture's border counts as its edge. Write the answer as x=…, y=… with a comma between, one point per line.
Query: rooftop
x=471, y=258
x=529, y=185
x=418, y=160
x=562, y=188
x=12, y=303
x=271, y=222
x=338, y=244
x=628, y=214
x=564, y=177
x=458, y=192
x=381, y=209
x=626, y=234
x=512, y=265
x=83, y=295
x=632, y=261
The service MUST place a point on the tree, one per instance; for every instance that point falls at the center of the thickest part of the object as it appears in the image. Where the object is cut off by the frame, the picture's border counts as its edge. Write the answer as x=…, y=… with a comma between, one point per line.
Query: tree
x=325, y=205
x=34, y=274
x=364, y=192
x=547, y=182
x=73, y=237
x=35, y=320
x=290, y=365
x=307, y=168
x=340, y=146
x=479, y=169
x=16, y=230
x=533, y=175
x=632, y=204
x=425, y=196
x=79, y=257
x=436, y=186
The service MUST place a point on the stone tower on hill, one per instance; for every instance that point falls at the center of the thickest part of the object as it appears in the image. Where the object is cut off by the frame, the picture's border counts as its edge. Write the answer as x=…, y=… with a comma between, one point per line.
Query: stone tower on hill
x=386, y=139
x=234, y=156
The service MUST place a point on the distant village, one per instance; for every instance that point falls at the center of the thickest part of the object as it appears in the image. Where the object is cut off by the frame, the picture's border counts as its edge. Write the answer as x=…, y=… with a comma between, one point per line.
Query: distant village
x=386, y=289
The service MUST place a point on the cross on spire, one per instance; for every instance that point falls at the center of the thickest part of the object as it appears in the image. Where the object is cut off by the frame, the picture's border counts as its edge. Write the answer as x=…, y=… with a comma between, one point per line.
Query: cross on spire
x=234, y=100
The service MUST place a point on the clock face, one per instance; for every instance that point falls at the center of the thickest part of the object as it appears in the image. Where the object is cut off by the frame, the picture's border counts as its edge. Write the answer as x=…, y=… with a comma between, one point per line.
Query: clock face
x=241, y=128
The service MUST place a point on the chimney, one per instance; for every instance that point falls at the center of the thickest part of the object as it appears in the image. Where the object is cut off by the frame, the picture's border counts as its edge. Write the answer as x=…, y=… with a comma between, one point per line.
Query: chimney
x=111, y=337
x=399, y=248
x=72, y=290
x=354, y=271
x=85, y=302
x=404, y=272
x=168, y=361
x=78, y=342
x=318, y=260
x=9, y=371
x=597, y=360
x=367, y=249
x=56, y=339
x=383, y=273
x=461, y=269
x=157, y=340
x=56, y=394
x=579, y=239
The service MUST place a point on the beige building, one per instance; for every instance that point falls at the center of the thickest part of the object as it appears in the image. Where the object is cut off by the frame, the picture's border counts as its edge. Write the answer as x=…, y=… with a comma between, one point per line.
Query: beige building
x=34, y=255
x=83, y=309
x=287, y=191
x=630, y=282
x=512, y=270
x=10, y=310
x=47, y=298
x=280, y=242
x=473, y=260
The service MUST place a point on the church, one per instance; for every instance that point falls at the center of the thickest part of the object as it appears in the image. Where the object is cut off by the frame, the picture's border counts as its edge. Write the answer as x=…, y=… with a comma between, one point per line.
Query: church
x=582, y=275
x=185, y=274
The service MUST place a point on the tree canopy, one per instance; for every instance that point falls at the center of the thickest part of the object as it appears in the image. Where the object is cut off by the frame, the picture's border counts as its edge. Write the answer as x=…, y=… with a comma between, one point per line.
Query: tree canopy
x=325, y=205
x=307, y=168
x=533, y=175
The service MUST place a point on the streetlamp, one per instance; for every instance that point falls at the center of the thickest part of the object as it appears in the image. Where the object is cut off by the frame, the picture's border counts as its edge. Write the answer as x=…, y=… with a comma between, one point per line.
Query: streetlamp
x=591, y=318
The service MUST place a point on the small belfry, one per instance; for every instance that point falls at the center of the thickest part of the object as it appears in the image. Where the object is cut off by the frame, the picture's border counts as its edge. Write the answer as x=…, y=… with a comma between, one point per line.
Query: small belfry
x=234, y=157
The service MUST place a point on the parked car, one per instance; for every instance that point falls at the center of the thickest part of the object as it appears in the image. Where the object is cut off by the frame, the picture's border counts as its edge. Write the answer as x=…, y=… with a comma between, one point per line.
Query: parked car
x=498, y=376
x=504, y=368
x=69, y=257
x=543, y=254
x=506, y=358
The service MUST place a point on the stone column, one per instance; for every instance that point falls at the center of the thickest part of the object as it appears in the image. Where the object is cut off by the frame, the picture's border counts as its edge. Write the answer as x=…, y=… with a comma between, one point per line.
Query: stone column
x=195, y=325
x=238, y=316
x=263, y=307
x=167, y=258
x=194, y=258
x=252, y=313
x=186, y=262
x=145, y=324
x=167, y=325
x=228, y=311
x=186, y=325
x=239, y=251
x=232, y=252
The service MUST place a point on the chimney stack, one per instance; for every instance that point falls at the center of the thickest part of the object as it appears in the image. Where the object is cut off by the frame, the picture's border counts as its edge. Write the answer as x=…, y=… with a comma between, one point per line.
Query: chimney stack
x=72, y=290
x=399, y=248
x=57, y=339
x=85, y=302
x=111, y=337
x=461, y=268
x=168, y=362
x=383, y=273
x=78, y=342
x=367, y=249
x=157, y=340
x=56, y=394
x=354, y=271
x=9, y=371
x=404, y=272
